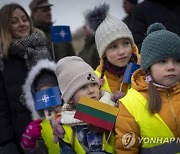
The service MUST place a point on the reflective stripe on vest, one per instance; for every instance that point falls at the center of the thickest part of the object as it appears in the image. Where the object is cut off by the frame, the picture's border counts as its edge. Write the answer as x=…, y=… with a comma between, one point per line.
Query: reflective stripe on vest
x=105, y=86
x=154, y=130
x=167, y=148
x=68, y=138
x=47, y=135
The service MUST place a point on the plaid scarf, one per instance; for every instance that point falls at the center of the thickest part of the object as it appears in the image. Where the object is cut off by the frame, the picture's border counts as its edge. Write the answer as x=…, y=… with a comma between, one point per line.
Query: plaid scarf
x=31, y=48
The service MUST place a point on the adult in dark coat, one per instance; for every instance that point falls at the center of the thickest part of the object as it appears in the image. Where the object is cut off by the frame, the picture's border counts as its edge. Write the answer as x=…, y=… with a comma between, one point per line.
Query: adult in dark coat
x=42, y=19
x=89, y=51
x=21, y=46
x=147, y=12
x=129, y=6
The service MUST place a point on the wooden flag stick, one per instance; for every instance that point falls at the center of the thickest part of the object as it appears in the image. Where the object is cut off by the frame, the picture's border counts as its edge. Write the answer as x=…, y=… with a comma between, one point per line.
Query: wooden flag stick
x=108, y=137
x=53, y=53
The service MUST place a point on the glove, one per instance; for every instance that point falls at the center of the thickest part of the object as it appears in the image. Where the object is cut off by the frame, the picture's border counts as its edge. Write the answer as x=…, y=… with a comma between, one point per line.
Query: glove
x=117, y=95
x=31, y=134
x=58, y=131
x=106, y=98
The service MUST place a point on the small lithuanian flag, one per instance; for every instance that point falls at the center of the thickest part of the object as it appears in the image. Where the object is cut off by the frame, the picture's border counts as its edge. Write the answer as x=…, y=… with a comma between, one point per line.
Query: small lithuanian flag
x=96, y=113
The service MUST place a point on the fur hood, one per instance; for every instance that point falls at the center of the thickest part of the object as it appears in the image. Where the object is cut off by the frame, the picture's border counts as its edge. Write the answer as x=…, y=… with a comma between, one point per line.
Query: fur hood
x=33, y=73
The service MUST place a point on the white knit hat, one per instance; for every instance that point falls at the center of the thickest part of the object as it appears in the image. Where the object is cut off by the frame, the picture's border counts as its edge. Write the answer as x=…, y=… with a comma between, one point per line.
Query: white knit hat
x=110, y=30
x=73, y=73
x=107, y=28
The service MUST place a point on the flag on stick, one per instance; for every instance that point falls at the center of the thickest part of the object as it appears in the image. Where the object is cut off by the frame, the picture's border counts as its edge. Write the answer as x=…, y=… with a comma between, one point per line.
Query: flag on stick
x=131, y=67
x=96, y=113
x=126, y=81
x=47, y=98
x=60, y=34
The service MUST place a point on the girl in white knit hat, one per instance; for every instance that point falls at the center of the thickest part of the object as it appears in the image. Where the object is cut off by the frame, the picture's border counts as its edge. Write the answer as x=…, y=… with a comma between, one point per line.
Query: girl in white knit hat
x=76, y=79
x=115, y=45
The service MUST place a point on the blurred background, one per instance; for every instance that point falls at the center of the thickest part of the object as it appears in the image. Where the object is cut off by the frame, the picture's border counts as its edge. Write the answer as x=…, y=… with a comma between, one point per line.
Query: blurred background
x=71, y=13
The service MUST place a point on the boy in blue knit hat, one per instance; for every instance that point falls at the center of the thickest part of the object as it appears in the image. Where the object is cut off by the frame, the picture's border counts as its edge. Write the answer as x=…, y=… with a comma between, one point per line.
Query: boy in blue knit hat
x=148, y=120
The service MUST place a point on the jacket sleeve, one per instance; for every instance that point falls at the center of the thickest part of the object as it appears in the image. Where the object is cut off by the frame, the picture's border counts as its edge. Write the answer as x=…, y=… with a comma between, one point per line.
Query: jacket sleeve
x=127, y=133
x=6, y=128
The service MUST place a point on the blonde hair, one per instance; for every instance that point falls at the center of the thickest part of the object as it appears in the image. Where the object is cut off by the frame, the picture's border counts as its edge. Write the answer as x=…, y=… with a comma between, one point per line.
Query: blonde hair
x=5, y=25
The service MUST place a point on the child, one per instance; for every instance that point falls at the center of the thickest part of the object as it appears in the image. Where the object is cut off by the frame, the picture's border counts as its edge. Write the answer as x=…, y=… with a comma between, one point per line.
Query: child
x=148, y=119
x=77, y=78
x=115, y=46
x=41, y=77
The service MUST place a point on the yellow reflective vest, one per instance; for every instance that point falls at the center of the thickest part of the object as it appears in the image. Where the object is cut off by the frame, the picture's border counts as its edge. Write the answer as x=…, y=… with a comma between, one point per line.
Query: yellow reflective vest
x=105, y=86
x=154, y=131
x=47, y=135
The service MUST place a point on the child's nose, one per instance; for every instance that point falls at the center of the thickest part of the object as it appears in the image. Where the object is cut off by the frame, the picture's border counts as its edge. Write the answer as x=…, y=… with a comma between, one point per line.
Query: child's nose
x=90, y=89
x=121, y=50
x=170, y=66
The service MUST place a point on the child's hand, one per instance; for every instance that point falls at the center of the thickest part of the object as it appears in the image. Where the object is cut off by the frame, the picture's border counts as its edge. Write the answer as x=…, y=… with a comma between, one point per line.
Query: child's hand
x=31, y=134
x=58, y=131
x=117, y=95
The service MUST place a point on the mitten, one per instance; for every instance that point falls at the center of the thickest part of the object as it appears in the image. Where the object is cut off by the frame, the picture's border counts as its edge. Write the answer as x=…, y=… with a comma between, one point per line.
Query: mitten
x=117, y=95
x=58, y=131
x=31, y=134
x=106, y=98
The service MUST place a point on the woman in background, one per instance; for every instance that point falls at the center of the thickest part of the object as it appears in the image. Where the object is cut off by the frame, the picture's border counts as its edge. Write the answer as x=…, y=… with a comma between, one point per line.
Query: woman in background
x=21, y=46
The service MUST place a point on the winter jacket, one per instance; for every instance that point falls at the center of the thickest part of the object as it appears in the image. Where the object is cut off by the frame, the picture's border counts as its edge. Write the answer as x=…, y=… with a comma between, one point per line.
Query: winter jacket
x=75, y=139
x=46, y=145
x=151, y=11
x=135, y=120
x=61, y=49
x=71, y=140
x=89, y=53
x=71, y=125
x=14, y=115
x=113, y=81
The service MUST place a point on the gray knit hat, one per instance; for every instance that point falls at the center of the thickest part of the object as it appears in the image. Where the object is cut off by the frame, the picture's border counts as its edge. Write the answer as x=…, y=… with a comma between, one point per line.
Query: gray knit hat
x=107, y=27
x=73, y=73
x=159, y=44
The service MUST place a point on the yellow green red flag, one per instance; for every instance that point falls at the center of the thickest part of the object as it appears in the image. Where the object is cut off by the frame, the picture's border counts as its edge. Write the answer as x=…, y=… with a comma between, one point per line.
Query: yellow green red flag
x=96, y=113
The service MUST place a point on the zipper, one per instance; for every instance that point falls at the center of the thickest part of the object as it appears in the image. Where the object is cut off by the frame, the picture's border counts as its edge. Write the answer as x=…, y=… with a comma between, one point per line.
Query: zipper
x=173, y=112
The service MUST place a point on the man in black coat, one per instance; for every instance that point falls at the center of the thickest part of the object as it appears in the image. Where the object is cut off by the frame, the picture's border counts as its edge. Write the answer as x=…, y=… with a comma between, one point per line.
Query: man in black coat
x=147, y=12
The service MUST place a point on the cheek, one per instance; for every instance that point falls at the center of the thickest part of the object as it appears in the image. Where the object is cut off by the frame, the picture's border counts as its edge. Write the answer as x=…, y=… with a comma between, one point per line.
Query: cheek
x=13, y=30
x=154, y=73
x=179, y=72
x=111, y=56
x=129, y=51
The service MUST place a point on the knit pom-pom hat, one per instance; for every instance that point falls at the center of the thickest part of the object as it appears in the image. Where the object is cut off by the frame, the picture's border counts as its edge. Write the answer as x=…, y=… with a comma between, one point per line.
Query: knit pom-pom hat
x=107, y=27
x=73, y=73
x=158, y=45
